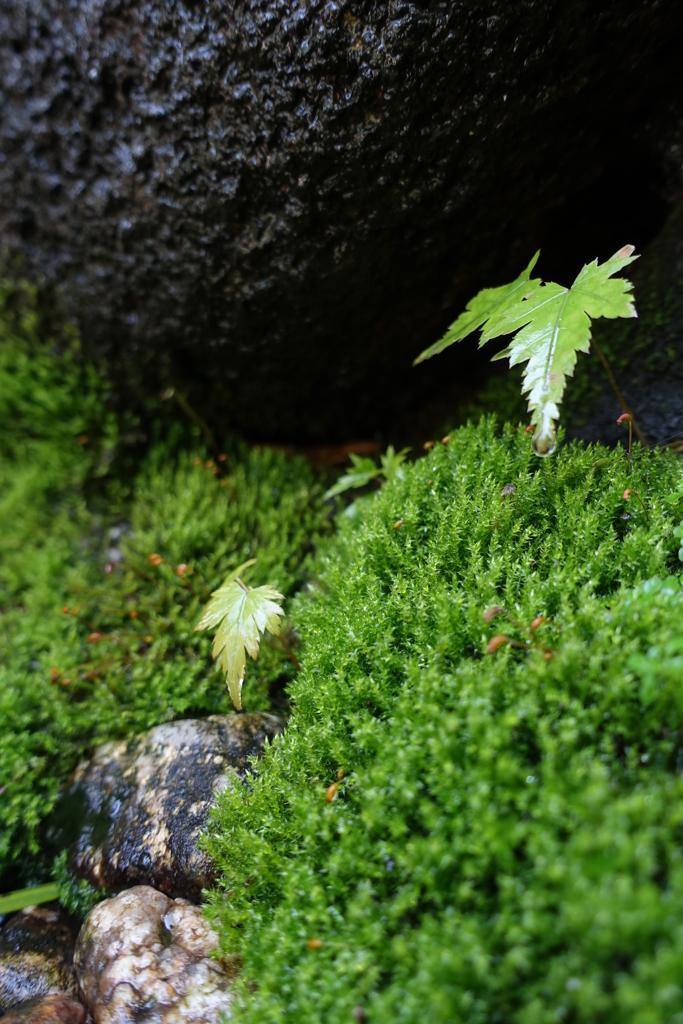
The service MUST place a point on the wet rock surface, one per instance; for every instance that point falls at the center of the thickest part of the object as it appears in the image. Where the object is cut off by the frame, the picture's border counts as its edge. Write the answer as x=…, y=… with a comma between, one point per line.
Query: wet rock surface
x=142, y=954
x=36, y=956
x=277, y=205
x=56, y=1009
x=138, y=806
x=646, y=355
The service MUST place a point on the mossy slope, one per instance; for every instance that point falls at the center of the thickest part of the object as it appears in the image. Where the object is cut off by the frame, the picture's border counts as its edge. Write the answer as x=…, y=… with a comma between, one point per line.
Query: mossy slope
x=507, y=840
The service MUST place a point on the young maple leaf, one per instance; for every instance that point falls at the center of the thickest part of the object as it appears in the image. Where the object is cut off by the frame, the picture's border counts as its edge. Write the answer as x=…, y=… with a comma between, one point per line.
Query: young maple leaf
x=553, y=324
x=487, y=303
x=241, y=613
x=365, y=470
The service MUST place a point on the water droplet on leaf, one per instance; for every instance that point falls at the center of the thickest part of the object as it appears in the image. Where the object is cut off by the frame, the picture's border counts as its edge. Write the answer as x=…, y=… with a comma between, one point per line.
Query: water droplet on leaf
x=544, y=441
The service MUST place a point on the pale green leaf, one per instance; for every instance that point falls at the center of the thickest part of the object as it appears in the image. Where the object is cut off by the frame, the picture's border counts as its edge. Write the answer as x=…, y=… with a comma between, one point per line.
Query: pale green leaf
x=362, y=464
x=365, y=470
x=487, y=303
x=215, y=610
x=352, y=480
x=392, y=462
x=553, y=324
x=241, y=615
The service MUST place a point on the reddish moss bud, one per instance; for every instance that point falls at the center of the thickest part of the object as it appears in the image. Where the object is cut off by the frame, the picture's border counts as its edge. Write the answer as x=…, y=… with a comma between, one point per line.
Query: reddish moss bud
x=491, y=612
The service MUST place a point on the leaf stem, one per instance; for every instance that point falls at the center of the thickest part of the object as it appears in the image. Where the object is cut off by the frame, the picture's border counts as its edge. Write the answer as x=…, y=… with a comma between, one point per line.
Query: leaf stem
x=204, y=427
x=243, y=586
x=615, y=388
x=630, y=493
x=290, y=652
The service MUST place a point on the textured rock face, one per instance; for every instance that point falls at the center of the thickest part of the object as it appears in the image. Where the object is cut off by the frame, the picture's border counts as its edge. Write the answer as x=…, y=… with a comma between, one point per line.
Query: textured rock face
x=139, y=806
x=36, y=956
x=646, y=354
x=283, y=203
x=144, y=955
x=58, y=1009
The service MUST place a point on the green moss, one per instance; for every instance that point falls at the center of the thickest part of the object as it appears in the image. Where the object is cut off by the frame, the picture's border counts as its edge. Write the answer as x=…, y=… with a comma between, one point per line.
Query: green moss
x=74, y=504
x=507, y=840
x=76, y=895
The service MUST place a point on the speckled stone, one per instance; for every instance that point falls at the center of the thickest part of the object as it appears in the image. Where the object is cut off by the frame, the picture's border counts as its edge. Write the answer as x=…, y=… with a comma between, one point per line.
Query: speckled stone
x=57, y=1009
x=36, y=955
x=141, y=805
x=278, y=205
x=143, y=955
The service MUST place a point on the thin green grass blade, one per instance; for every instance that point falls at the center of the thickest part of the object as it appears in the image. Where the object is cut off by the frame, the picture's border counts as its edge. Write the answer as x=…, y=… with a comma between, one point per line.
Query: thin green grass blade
x=21, y=898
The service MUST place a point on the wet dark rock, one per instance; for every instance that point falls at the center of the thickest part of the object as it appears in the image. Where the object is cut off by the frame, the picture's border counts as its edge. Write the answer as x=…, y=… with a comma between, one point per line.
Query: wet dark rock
x=143, y=955
x=646, y=355
x=139, y=806
x=276, y=206
x=36, y=955
x=59, y=1009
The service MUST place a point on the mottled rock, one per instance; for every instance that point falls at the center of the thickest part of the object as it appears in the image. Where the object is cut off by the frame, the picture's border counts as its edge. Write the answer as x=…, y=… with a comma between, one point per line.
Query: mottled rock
x=138, y=807
x=142, y=954
x=278, y=205
x=59, y=1009
x=36, y=955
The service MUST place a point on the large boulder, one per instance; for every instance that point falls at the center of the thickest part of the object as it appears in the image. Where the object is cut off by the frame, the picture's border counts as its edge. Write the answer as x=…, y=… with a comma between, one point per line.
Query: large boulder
x=279, y=205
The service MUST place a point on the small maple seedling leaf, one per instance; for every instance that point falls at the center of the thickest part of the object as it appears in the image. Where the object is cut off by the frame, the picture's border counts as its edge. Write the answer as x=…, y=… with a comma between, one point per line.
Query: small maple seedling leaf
x=241, y=614
x=487, y=303
x=365, y=470
x=551, y=324
x=392, y=462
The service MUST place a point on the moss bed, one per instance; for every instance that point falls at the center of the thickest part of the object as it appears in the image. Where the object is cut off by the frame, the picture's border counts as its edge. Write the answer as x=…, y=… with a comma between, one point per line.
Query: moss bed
x=97, y=640
x=506, y=842
x=446, y=831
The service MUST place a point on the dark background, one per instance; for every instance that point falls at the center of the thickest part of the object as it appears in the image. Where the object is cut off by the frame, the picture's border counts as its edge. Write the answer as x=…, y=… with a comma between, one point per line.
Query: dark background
x=276, y=206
